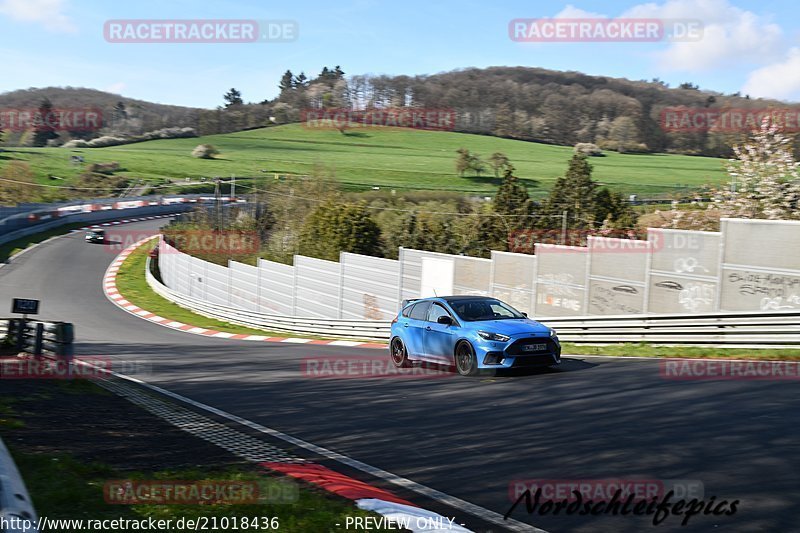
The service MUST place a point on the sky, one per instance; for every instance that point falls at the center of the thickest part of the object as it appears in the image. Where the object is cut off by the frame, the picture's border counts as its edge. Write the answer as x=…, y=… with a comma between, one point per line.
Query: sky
x=748, y=46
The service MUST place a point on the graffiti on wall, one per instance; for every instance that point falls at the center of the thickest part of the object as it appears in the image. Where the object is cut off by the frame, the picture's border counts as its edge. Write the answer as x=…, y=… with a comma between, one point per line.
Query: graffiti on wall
x=619, y=299
x=767, y=292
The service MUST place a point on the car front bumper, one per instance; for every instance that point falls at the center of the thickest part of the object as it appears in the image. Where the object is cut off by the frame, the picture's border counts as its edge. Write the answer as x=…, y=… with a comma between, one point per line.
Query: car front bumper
x=492, y=354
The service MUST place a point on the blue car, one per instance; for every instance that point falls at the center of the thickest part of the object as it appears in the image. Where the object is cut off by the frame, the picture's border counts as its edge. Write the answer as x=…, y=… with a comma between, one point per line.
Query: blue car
x=473, y=333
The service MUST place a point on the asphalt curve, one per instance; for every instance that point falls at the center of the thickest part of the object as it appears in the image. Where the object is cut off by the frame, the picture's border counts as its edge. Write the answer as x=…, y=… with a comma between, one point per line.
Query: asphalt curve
x=595, y=418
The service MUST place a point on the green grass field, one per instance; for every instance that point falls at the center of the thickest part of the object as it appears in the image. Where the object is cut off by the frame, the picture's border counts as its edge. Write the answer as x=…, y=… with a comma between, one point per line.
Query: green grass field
x=385, y=157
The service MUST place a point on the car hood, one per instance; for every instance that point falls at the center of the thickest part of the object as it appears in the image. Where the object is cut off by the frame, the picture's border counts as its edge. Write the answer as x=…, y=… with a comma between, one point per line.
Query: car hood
x=511, y=326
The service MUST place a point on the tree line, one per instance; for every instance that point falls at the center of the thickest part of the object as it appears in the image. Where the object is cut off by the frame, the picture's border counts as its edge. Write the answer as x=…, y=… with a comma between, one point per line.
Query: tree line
x=524, y=103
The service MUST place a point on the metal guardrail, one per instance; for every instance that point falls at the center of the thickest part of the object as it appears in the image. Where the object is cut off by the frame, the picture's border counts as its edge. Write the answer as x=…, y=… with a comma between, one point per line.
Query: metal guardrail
x=15, y=503
x=745, y=329
x=353, y=329
x=40, y=338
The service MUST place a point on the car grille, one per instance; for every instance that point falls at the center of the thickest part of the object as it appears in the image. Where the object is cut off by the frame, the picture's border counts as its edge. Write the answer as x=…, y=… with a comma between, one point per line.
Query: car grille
x=517, y=347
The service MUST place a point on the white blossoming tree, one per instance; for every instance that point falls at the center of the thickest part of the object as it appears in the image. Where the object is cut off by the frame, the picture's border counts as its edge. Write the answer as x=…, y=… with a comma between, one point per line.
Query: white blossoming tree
x=765, y=178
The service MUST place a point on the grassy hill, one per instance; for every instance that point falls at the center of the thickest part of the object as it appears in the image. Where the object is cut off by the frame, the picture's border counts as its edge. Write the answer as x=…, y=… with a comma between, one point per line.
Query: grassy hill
x=385, y=157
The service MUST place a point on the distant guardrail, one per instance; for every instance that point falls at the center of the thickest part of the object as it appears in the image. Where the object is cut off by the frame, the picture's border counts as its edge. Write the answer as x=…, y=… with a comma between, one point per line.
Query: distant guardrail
x=41, y=217
x=731, y=329
x=15, y=503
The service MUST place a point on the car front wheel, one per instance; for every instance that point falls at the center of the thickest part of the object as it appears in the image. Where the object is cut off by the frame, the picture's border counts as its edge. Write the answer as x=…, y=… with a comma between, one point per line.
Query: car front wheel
x=399, y=354
x=466, y=362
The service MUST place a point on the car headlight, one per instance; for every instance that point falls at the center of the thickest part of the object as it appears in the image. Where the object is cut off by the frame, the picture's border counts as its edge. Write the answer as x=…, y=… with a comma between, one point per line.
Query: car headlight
x=553, y=333
x=489, y=336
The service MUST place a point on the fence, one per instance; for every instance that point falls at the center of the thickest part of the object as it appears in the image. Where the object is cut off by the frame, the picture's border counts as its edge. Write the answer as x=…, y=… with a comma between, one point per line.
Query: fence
x=355, y=329
x=753, y=330
x=750, y=265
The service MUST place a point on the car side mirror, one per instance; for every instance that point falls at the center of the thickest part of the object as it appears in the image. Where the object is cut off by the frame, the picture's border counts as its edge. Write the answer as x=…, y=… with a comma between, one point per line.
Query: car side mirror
x=446, y=320
x=525, y=315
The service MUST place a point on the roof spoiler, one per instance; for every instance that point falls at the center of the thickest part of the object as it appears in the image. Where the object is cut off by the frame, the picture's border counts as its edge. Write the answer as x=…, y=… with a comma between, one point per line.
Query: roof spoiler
x=404, y=303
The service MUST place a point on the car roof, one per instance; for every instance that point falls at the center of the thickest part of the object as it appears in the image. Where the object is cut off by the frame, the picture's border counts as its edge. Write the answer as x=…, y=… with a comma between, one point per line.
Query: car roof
x=456, y=298
x=451, y=298
x=466, y=297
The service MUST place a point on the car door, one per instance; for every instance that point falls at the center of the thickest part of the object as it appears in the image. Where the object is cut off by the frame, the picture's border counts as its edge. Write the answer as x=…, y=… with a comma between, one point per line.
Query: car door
x=414, y=326
x=439, y=339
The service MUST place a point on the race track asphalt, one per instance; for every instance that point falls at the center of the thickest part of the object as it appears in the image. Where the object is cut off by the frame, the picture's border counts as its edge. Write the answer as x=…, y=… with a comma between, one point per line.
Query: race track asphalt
x=594, y=418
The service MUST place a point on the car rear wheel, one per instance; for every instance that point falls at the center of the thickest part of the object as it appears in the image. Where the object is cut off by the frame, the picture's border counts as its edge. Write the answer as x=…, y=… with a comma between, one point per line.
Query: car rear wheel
x=466, y=362
x=399, y=354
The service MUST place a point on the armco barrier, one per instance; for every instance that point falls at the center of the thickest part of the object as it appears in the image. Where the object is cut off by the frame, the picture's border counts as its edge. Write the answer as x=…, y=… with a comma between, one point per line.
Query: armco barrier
x=41, y=338
x=15, y=503
x=94, y=217
x=354, y=329
x=743, y=329
x=757, y=330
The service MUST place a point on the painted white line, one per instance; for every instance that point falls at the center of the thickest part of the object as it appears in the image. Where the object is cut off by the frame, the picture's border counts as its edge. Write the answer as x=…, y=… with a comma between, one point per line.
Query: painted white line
x=225, y=334
x=296, y=340
x=256, y=337
x=175, y=324
x=344, y=343
x=431, y=493
x=197, y=330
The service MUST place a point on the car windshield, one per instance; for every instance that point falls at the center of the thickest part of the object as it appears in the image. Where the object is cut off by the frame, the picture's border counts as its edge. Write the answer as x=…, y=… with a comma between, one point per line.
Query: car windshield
x=484, y=309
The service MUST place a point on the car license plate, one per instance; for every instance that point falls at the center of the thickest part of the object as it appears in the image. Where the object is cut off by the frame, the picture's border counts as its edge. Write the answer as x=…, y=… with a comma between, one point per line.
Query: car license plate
x=534, y=347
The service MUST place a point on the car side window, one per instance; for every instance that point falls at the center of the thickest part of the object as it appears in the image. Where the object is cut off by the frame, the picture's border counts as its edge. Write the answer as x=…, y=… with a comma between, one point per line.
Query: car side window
x=407, y=311
x=436, y=311
x=420, y=311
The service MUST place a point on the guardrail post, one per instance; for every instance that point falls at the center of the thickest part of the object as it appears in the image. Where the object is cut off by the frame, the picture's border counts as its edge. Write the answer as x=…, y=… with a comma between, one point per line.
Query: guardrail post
x=19, y=331
x=39, y=337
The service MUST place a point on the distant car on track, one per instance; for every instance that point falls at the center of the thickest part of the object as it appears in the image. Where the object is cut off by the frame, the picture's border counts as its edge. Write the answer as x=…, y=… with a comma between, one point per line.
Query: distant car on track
x=473, y=333
x=96, y=235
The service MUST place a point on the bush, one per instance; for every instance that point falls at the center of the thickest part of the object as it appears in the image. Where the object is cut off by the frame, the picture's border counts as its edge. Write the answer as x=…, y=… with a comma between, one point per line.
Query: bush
x=205, y=151
x=625, y=147
x=106, y=140
x=110, y=140
x=589, y=149
x=103, y=168
x=76, y=143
